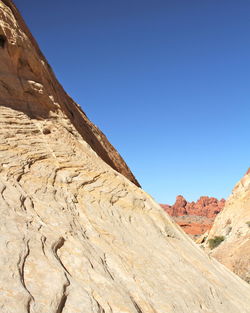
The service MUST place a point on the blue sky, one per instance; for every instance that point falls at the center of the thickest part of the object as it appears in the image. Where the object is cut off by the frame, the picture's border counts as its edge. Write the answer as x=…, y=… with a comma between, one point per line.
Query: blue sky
x=166, y=81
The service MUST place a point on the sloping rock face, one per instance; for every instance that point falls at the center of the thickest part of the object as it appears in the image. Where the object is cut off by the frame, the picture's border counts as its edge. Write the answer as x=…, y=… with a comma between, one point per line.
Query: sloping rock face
x=233, y=225
x=76, y=235
x=25, y=74
x=195, y=218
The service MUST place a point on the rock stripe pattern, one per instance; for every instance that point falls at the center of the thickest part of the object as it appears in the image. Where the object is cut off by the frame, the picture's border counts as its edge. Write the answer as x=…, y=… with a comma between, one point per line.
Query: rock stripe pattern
x=75, y=234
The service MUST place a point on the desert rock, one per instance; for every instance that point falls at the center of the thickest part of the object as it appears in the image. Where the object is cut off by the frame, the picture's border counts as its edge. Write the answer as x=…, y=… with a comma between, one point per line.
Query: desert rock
x=195, y=218
x=233, y=226
x=75, y=234
x=27, y=75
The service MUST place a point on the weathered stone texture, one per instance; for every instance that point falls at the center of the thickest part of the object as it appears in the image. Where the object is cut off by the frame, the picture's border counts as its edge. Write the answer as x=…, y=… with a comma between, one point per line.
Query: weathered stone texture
x=28, y=84
x=76, y=235
x=233, y=223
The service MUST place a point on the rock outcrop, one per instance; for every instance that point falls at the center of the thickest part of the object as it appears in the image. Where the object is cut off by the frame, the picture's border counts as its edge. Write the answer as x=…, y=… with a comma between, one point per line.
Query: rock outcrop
x=195, y=218
x=75, y=234
x=205, y=206
x=27, y=75
x=232, y=227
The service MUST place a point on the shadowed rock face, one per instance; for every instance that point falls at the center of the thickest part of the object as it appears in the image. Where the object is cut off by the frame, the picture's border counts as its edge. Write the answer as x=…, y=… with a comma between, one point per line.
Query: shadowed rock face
x=28, y=84
x=196, y=218
x=76, y=235
x=233, y=223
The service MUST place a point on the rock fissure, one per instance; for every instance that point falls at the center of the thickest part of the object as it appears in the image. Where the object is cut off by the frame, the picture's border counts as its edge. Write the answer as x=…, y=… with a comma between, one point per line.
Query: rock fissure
x=21, y=266
x=64, y=296
x=105, y=266
x=137, y=307
x=57, y=246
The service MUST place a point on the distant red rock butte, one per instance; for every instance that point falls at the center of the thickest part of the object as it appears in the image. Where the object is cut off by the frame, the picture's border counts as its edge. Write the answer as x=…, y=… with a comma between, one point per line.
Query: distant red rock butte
x=195, y=217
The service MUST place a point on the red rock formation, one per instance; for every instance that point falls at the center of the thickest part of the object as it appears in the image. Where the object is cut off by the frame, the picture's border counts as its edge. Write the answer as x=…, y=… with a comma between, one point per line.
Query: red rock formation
x=205, y=206
x=179, y=208
x=195, y=217
x=194, y=229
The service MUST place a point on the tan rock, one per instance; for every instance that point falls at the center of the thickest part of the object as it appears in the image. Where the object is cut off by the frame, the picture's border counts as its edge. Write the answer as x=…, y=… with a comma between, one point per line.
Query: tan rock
x=233, y=224
x=76, y=235
x=27, y=75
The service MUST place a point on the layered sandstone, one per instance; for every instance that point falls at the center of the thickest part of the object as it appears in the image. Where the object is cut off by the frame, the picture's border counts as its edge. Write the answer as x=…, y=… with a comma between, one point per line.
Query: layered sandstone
x=233, y=226
x=195, y=218
x=25, y=74
x=75, y=234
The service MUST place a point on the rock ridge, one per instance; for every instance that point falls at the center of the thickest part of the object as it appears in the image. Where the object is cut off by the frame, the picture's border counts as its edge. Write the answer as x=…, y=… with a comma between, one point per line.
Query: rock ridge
x=43, y=83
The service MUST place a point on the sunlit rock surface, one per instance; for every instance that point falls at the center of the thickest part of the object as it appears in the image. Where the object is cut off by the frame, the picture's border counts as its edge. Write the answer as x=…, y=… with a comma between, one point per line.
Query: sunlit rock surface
x=233, y=224
x=76, y=235
x=27, y=84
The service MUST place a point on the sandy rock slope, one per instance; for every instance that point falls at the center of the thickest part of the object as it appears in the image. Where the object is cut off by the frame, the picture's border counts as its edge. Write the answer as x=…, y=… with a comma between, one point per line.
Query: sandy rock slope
x=233, y=224
x=76, y=235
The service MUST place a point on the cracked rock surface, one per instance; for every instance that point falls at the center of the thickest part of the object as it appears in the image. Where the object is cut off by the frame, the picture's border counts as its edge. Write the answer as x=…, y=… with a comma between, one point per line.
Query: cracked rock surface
x=75, y=234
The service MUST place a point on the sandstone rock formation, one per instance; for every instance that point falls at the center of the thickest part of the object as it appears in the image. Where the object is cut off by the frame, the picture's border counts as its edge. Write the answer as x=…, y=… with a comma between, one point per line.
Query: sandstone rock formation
x=205, y=206
x=195, y=218
x=194, y=226
x=76, y=235
x=233, y=226
x=28, y=75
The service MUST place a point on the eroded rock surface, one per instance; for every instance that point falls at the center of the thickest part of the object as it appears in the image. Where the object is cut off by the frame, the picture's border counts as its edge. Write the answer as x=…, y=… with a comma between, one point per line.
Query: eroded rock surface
x=233, y=225
x=26, y=75
x=76, y=235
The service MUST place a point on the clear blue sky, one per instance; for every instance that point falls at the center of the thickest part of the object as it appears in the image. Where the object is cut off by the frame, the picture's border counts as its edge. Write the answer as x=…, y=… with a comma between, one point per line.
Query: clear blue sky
x=168, y=82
